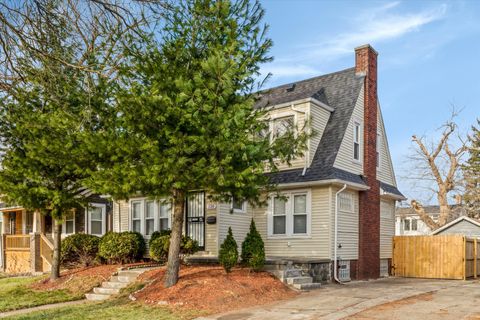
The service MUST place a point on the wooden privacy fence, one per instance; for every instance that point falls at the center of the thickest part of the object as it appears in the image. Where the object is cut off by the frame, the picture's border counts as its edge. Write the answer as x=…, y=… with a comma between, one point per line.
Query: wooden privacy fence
x=439, y=257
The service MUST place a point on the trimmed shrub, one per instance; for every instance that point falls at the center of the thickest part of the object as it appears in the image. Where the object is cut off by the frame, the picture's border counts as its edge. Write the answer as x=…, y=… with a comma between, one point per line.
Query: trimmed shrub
x=160, y=243
x=121, y=247
x=141, y=246
x=79, y=250
x=253, y=249
x=228, y=255
x=157, y=234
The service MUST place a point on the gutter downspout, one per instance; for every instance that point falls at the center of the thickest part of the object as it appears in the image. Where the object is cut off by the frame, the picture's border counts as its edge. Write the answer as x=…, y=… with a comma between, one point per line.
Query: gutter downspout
x=336, y=236
x=306, y=158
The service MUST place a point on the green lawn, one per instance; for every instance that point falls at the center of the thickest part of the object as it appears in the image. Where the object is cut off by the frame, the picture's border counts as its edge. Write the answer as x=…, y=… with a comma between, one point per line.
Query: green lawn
x=16, y=294
x=121, y=309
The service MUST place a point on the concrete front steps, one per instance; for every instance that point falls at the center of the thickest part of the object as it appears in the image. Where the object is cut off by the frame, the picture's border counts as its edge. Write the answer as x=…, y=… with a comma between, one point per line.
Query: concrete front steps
x=112, y=287
x=292, y=276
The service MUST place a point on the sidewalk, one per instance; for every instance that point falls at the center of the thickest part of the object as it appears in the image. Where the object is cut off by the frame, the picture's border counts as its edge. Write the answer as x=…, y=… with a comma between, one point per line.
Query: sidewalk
x=342, y=301
x=39, y=308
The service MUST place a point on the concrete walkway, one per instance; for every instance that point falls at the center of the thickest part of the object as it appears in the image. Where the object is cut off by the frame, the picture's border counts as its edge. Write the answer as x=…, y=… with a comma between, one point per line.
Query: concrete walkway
x=40, y=308
x=392, y=298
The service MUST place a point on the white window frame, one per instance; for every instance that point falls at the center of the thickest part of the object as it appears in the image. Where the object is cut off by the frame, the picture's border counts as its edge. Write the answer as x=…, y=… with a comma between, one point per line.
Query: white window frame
x=88, y=222
x=155, y=216
x=64, y=224
x=357, y=124
x=289, y=213
x=285, y=114
x=143, y=215
x=169, y=214
x=236, y=210
x=130, y=216
x=409, y=225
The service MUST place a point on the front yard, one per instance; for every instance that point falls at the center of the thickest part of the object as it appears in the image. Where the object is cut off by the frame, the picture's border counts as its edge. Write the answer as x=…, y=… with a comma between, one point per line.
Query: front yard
x=120, y=308
x=17, y=293
x=26, y=292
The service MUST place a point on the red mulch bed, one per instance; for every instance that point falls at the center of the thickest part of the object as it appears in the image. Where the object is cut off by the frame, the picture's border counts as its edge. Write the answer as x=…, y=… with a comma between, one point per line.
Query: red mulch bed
x=78, y=280
x=209, y=288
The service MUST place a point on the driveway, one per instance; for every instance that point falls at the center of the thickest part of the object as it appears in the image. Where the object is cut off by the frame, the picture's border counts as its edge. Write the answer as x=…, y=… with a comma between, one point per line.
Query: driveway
x=392, y=298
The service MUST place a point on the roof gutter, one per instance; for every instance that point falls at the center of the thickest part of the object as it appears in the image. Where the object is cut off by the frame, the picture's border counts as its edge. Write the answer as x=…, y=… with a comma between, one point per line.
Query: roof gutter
x=300, y=101
x=352, y=185
x=390, y=195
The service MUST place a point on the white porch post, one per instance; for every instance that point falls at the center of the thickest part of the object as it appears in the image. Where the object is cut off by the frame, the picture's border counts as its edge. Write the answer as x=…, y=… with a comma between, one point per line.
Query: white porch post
x=24, y=221
x=37, y=222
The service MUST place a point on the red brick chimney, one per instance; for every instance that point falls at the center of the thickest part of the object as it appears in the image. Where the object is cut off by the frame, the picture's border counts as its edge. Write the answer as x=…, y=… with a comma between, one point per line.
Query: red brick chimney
x=368, y=266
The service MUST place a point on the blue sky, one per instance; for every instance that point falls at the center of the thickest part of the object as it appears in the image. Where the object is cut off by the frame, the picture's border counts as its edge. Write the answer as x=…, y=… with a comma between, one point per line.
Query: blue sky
x=429, y=58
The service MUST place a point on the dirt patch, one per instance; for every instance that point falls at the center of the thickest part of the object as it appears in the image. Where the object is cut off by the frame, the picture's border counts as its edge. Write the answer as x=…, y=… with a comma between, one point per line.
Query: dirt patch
x=80, y=280
x=368, y=313
x=211, y=289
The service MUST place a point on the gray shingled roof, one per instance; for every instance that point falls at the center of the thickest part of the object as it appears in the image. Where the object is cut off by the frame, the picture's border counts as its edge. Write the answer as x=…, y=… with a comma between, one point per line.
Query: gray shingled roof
x=339, y=90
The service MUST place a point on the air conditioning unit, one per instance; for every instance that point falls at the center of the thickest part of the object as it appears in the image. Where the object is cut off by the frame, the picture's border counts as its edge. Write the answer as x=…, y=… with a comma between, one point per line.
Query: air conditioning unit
x=344, y=270
x=384, y=268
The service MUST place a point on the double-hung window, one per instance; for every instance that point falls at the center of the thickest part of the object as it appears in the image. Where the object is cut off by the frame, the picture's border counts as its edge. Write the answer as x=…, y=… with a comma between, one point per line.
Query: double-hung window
x=69, y=223
x=164, y=219
x=356, y=140
x=406, y=225
x=239, y=206
x=279, y=215
x=414, y=224
x=290, y=214
x=96, y=219
x=137, y=216
x=148, y=216
x=300, y=214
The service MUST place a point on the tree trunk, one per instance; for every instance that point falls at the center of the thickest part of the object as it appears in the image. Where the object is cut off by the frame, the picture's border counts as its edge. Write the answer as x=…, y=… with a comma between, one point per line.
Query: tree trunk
x=444, y=208
x=173, y=264
x=55, y=274
x=424, y=216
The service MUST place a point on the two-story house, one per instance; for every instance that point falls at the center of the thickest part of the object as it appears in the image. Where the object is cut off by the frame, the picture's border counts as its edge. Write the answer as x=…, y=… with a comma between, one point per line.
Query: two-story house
x=339, y=199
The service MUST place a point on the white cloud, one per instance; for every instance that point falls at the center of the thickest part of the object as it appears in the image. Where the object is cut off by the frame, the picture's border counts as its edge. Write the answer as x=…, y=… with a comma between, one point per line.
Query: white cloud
x=374, y=25
x=286, y=69
x=381, y=25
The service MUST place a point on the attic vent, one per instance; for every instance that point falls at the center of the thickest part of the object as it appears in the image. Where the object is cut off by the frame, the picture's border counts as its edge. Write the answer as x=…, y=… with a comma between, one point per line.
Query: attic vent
x=290, y=88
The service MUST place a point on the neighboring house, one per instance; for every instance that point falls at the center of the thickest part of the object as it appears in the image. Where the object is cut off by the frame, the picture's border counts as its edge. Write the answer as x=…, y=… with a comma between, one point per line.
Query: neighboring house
x=25, y=233
x=462, y=225
x=409, y=223
x=349, y=150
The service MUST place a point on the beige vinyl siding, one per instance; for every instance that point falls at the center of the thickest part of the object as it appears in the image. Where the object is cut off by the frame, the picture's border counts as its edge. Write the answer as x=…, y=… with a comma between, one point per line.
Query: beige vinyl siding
x=385, y=170
x=120, y=216
x=347, y=235
x=387, y=227
x=344, y=159
x=318, y=119
x=299, y=122
x=314, y=246
x=211, y=230
x=239, y=222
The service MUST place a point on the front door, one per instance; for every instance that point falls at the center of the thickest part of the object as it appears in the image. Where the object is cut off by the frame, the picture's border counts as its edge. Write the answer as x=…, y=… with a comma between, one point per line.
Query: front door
x=195, y=217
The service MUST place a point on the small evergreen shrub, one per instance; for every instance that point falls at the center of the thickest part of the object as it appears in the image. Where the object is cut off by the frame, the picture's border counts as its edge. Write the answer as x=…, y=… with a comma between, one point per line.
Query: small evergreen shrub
x=253, y=249
x=79, y=250
x=160, y=243
x=121, y=247
x=228, y=255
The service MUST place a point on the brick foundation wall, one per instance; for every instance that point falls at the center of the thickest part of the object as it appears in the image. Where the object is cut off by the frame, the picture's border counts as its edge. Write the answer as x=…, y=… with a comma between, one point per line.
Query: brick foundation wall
x=368, y=264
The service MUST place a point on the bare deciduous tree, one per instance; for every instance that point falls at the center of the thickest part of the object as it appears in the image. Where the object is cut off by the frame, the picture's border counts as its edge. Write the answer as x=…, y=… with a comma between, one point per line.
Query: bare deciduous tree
x=438, y=164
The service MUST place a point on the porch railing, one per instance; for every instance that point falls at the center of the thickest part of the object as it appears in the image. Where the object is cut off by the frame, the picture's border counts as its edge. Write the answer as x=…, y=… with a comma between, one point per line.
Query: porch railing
x=46, y=249
x=17, y=242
